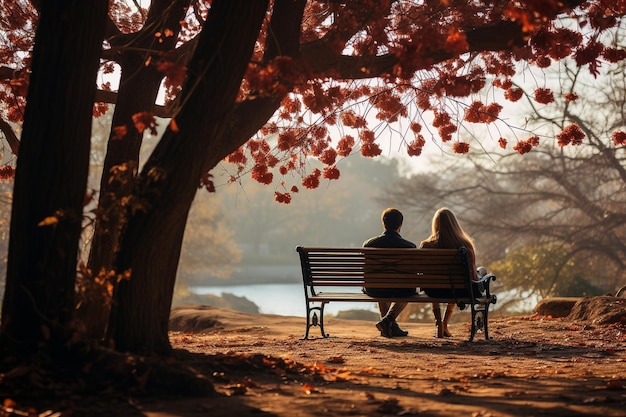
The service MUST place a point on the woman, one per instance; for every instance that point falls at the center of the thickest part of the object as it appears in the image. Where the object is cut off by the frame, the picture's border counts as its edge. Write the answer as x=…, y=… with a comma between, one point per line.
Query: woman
x=447, y=234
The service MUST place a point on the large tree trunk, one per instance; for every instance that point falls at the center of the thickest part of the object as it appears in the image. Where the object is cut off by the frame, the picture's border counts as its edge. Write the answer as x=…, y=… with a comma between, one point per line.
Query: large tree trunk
x=138, y=90
x=51, y=176
x=151, y=245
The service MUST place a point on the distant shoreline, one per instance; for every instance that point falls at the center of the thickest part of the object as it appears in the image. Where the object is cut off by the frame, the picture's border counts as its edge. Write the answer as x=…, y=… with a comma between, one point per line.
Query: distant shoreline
x=232, y=282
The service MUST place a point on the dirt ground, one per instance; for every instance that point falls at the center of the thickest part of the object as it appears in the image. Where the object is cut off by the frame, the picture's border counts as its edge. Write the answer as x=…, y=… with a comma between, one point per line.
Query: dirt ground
x=532, y=366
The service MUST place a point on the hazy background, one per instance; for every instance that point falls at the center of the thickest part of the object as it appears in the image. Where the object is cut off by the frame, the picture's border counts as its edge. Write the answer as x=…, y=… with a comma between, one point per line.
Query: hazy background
x=549, y=223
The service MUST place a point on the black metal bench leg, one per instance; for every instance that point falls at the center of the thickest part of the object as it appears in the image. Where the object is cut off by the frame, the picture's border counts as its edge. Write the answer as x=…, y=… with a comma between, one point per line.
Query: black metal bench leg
x=308, y=322
x=473, y=330
x=485, y=328
x=321, y=309
x=313, y=320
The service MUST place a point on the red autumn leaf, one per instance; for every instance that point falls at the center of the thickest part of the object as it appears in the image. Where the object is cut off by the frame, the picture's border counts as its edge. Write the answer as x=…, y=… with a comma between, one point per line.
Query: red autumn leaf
x=619, y=138
x=571, y=134
x=145, y=120
x=544, y=96
x=119, y=132
x=461, y=147
x=284, y=198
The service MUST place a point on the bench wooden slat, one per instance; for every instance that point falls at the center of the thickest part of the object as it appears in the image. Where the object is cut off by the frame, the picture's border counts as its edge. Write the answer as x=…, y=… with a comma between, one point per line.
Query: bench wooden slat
x=329, y=274
x=381, y=284
x=412, y=276
x=361, y=297
x=413, y=263
x=339, y=265
x=354, y=281
x=442, y=279
x=339, y=284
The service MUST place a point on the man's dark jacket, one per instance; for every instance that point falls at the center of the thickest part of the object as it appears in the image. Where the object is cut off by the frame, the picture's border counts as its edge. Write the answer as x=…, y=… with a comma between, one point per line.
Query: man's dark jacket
x=389, y=239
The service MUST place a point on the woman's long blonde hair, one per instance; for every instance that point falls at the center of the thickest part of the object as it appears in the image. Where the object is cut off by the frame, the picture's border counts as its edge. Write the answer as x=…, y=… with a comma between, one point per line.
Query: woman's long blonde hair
x=447, y=233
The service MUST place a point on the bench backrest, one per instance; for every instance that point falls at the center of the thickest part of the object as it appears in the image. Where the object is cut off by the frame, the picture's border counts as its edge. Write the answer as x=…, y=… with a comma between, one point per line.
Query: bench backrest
x=385, y=268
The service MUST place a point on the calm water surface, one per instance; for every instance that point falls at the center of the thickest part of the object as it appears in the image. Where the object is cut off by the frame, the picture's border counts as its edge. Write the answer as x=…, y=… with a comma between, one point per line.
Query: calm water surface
x=281, y=299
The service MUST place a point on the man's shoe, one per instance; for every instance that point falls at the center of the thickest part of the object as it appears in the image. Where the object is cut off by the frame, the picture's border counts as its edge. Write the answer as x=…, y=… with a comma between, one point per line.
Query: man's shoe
x=396, y=331
x=385, y=327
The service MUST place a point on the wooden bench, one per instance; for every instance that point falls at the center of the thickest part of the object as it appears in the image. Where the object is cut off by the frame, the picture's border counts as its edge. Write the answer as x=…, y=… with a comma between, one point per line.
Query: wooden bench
x=340, y=274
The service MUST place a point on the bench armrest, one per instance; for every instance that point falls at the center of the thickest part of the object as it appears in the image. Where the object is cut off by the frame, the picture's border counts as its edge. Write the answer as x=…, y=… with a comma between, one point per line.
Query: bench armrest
x=486, y=278
x=483, y=284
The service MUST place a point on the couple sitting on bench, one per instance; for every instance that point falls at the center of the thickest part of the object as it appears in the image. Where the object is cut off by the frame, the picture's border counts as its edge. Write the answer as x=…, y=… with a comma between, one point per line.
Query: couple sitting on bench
x=446, y=234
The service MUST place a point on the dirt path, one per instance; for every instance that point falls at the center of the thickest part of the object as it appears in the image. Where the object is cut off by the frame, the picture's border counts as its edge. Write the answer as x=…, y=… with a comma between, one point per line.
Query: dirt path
x=533, y=366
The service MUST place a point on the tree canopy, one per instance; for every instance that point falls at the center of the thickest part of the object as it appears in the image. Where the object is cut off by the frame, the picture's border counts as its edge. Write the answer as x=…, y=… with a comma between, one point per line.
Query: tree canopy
x=269, y=85
x=360, y=74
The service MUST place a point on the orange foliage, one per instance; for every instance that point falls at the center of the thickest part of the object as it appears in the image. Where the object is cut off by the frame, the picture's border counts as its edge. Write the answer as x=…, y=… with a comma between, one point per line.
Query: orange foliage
x=415, y=147
x=99, y=109
x=477, y=112
x=513, y=94
x=461, y=147
x=329, y=156
x=571, y=134
x=145, y=120
x=313, y=180
x=175, y=73
x=544, y=95
x=7, y=172
x=525, y=146
x=261, y=174
x=119, y=132
x=331, y=173
x=619, y=138
x=284, y=198
x=393, y=64
x=344, y=147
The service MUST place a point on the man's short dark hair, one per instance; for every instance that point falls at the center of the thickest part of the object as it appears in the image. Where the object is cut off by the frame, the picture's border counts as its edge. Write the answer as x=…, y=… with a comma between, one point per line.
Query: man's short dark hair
x=392, y=219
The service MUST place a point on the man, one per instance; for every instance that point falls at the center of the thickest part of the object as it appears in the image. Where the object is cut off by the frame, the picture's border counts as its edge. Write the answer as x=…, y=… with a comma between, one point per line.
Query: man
x=392, y=223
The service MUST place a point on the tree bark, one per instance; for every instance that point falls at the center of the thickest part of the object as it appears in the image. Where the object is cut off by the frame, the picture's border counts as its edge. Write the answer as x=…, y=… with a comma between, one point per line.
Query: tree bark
x=138, y=90
x=151, y=245
x=51, y=177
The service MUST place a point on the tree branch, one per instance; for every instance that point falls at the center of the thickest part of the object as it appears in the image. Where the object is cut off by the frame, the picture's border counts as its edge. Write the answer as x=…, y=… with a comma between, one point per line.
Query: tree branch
x=7, y=73
x=10, y=136
x=498, y=37
x=324, y=61
x=249, y=116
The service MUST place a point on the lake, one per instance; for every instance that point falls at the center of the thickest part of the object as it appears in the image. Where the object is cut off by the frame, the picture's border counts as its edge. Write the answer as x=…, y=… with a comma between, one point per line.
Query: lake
x=288, y=299
x=281, y=299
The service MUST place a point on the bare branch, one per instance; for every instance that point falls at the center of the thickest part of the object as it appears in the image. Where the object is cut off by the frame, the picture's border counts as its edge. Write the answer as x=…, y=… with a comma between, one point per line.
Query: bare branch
x=10, y=136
